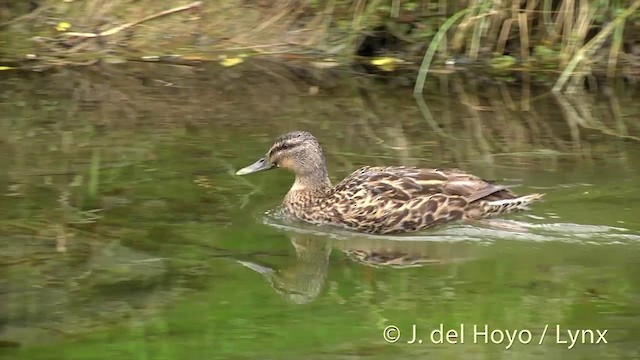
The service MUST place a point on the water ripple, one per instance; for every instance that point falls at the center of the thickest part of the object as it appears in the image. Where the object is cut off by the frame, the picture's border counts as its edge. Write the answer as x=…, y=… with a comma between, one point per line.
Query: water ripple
x=484, y=233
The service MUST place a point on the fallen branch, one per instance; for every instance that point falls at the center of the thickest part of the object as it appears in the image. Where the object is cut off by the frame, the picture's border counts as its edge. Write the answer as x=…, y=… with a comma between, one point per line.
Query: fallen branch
x=117, y=29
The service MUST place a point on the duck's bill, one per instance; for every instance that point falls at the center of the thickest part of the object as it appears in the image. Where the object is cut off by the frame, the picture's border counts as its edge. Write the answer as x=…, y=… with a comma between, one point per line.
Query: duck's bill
x=259, y=165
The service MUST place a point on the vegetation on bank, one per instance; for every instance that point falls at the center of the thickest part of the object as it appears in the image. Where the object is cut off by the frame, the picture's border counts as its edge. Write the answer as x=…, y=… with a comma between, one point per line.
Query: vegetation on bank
x=566, y=38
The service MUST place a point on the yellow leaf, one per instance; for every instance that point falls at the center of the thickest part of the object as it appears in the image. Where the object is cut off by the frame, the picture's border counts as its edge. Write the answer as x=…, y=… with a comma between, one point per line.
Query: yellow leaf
x=228, y=62
x=6, y=68
x=386, y=63
x=63, y=26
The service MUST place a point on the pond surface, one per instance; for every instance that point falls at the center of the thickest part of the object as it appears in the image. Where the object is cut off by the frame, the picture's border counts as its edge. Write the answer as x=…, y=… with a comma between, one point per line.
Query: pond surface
x=125, y=235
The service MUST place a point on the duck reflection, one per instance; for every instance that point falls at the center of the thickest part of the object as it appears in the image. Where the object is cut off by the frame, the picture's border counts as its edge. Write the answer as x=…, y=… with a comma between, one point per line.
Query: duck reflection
x=303, y=281
x=400, y=254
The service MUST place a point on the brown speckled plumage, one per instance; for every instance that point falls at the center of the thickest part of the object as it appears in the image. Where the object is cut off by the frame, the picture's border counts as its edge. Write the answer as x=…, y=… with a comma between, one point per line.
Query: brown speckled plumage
x=382, y=199
x=394, y=259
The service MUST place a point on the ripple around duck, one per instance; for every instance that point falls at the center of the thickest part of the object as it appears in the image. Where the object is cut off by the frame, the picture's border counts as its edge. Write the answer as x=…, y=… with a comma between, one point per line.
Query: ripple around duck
x=483, y=233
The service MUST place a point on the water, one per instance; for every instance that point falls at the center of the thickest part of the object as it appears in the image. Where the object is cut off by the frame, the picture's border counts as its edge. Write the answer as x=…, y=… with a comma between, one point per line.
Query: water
x=125, y=235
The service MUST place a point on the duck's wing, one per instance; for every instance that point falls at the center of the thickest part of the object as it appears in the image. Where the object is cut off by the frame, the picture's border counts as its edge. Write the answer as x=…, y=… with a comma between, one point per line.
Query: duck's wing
x=392, y=199
x=472, y=187
x=378, y=201
x=405, y=183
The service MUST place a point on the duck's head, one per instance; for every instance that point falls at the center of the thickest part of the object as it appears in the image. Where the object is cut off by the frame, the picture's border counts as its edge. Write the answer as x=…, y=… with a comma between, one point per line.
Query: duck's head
x=298, y=151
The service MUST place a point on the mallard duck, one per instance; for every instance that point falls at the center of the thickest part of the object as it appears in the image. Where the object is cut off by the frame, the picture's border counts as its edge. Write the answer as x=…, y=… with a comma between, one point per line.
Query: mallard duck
x=382, y=200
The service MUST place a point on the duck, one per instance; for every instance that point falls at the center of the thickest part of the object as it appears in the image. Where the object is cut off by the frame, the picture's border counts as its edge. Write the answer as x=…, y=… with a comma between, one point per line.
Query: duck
x=382, y=199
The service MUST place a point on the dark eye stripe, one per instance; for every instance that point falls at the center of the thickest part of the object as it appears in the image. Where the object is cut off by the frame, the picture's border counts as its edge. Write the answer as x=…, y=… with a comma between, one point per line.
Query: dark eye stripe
x=281, y=147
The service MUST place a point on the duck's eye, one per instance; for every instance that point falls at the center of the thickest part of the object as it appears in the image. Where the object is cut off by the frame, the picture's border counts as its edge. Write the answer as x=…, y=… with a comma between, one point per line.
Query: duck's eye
x=284, y=146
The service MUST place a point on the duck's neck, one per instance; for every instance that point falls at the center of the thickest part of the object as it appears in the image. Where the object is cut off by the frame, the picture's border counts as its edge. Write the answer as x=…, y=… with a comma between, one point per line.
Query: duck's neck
x=311, y=184
x=307, y=189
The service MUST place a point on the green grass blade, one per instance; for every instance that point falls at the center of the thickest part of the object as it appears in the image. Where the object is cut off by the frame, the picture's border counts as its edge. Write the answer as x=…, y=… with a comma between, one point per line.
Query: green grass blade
x=433, y=47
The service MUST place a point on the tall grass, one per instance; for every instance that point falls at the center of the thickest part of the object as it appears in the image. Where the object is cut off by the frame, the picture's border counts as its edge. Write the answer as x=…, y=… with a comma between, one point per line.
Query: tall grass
x=433, y=47
x=574, y=38
x=565, y=35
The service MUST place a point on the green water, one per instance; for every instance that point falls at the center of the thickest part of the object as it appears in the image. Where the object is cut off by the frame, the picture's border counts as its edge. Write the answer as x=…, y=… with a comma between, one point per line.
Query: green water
x=125, y=235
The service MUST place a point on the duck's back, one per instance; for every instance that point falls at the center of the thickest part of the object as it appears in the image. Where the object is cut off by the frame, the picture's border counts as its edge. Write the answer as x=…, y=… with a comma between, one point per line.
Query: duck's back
x=401, y=199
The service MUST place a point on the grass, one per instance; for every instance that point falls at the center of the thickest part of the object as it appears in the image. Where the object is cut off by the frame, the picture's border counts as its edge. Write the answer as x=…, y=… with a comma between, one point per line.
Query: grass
x=590, y=48
x=433, y=47
x=572, y=38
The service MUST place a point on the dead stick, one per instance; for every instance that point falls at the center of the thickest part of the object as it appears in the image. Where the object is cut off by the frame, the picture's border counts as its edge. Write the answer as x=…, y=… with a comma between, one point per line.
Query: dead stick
x=117, y=29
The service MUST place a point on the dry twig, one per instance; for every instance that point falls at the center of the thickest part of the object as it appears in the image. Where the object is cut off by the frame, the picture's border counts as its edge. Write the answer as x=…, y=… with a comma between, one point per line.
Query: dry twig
x=117, y=29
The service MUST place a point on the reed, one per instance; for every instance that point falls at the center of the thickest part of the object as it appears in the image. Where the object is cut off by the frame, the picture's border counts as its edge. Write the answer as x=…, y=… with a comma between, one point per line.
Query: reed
x=591, y=47
x=578, y=38
x=433, y=47
x=574, y=38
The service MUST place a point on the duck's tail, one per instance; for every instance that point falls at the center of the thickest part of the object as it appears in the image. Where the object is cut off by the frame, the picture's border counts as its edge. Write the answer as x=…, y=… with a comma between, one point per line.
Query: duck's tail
x=499, y=207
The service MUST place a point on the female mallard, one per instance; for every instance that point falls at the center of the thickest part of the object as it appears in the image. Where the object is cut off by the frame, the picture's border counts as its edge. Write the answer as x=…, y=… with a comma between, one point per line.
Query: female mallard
x=382, y=200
